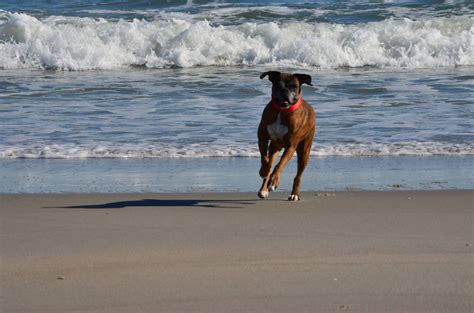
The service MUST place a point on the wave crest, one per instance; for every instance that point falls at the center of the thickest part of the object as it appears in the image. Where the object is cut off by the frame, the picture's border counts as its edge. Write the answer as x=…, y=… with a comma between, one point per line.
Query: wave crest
x=73, y=43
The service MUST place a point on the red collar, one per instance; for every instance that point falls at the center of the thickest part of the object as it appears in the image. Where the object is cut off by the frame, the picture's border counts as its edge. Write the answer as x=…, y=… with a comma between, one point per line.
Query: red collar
x=291, y=108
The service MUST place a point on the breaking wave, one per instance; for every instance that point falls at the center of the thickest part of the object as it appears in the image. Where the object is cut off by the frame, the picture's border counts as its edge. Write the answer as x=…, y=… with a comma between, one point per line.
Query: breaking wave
x=204, y=151
x=84, y=43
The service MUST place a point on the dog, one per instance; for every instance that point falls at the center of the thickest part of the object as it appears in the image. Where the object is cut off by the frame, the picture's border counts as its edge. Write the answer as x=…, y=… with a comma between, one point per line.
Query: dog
x=287, y=122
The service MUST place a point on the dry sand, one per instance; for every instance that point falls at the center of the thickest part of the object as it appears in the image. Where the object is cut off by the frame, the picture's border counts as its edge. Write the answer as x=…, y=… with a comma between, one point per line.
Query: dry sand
x=341, y=252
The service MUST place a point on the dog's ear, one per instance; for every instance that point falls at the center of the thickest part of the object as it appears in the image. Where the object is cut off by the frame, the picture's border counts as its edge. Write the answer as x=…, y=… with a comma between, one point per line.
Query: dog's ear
x=303, y=79
x=273, y=76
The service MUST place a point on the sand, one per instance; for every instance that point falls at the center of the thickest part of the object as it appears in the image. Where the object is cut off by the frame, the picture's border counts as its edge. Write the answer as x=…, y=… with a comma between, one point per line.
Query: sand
x=338, y=252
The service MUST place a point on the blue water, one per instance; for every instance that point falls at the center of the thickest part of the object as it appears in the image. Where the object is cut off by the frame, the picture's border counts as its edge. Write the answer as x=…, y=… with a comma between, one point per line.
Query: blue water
x=179, y=79
x=232, y=175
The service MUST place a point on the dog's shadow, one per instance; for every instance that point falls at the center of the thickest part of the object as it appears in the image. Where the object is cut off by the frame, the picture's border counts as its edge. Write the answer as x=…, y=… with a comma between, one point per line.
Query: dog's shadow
x=225, y=204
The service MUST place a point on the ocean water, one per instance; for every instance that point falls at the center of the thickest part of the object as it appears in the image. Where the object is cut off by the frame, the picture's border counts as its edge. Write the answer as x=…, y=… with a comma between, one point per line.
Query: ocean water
x=141, y=80
x=161, y=79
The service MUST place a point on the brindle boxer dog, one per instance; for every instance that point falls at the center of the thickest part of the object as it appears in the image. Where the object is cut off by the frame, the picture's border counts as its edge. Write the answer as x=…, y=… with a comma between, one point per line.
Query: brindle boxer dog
x=287, y=122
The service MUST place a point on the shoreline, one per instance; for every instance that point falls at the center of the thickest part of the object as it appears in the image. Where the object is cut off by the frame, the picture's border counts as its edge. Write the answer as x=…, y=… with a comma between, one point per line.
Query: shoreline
x=277, y=195
x=232, y=174
x=404, y=251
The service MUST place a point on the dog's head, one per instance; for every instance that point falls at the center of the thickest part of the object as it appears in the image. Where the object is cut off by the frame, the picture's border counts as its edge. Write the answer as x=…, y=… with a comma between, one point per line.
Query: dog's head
x=286, y=88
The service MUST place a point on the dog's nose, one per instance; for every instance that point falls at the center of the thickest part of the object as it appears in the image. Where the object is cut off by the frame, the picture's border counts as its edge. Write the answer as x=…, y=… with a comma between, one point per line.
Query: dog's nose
x=292, y=99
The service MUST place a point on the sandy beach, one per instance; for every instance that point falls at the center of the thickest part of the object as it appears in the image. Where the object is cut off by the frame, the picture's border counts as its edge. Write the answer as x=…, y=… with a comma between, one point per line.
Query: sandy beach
x=408, y=251
x=129, y=156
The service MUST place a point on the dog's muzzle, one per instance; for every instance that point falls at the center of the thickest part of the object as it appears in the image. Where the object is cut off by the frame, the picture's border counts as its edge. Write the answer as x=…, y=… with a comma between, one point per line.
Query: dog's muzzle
x=285, y=106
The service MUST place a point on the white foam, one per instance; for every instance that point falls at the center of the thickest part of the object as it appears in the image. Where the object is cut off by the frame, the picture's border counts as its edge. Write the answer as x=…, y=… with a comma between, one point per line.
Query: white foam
x=72, y=43
x=205, y=151
x=396, y=149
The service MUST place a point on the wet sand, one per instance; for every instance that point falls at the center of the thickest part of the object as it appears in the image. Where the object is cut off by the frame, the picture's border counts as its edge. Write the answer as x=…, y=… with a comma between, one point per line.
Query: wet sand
x=232, y=174
x=409, y=251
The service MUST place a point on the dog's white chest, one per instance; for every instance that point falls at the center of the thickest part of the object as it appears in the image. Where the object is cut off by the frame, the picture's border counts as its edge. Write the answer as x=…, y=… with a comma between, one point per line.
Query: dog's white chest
x=277, y=130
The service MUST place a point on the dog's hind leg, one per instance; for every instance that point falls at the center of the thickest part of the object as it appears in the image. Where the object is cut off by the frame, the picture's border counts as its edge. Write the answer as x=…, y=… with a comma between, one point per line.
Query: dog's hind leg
x=265, y=170
x=303, y=152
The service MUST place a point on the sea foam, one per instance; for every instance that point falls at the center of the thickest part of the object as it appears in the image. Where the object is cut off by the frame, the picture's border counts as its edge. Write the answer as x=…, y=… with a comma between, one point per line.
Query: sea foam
x=75, y=43
x=70, y=151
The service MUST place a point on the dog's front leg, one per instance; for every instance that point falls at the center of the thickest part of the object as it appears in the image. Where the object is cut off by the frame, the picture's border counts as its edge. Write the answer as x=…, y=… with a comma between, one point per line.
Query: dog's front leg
x=303, y=151
x=263, y=140
x=275, y=177
x=266, y=160
x=265, y=171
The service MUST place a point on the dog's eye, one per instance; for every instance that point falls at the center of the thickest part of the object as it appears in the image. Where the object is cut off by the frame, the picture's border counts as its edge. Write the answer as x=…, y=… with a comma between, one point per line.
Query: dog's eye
x=291, y=85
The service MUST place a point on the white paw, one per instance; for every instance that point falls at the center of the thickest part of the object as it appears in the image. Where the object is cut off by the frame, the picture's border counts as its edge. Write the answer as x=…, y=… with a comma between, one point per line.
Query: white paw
x=273, y=188
x=263, y=194
x=294, y=198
